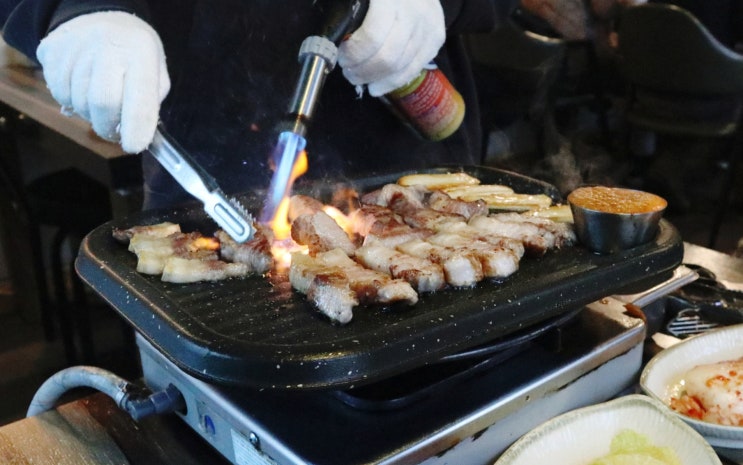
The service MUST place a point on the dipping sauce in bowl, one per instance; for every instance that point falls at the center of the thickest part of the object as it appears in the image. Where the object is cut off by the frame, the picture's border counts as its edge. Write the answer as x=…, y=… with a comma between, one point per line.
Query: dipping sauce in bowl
x=610, y=219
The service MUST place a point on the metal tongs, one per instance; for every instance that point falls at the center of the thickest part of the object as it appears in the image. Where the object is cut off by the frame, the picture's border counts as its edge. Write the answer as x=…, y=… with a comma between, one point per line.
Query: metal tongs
x=711, y=298
x=229, y=214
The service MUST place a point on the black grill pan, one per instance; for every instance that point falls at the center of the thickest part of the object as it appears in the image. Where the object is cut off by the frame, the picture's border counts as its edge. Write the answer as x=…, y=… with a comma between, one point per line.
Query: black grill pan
x=257, y=332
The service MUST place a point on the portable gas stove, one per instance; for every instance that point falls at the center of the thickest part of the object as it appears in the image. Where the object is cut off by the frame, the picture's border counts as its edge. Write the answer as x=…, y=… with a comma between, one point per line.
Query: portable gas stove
x=453, y=379
x=469, y=422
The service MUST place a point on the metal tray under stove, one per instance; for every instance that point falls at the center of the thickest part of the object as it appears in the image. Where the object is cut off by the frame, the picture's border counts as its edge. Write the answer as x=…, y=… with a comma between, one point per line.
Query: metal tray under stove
x=258, y=332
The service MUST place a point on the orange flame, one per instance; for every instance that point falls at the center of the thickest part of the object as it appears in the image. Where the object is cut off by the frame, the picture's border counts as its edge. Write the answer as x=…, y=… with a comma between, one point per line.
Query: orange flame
x=204, y=243
x=342, y=219
x=280, y=222
x=283, y=245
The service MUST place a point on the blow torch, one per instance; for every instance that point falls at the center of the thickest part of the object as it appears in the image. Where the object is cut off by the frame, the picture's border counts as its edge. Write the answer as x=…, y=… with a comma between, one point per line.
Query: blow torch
x=318, y=55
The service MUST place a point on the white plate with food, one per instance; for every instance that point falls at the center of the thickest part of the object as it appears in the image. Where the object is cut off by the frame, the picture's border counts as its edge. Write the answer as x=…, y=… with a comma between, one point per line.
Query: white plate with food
x=701, y=381
x=630, y=429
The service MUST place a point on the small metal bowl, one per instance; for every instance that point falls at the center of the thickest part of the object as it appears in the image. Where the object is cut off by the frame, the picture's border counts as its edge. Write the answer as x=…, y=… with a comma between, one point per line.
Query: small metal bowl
x=611, y=219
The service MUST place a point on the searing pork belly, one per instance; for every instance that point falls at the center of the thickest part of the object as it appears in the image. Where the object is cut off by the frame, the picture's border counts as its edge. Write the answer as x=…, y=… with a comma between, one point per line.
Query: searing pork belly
x=255, y=253
x=563, y=233
x=415, y=239
x=465, y=230
x=381, y=225
x=180, y=257
x=303, y=205
x=326, y=286
x=442, y=202
x=328, y=277
x=153, y=251
x=320, y=233
x=497, y=261
x=415, y=201
x=394, y=194
x=191, y=270
x=428, y=218
x=163, y=229
x=461, y=268
x=422, y=274
x=537, y=234
x=371, y=287
x=376, y=219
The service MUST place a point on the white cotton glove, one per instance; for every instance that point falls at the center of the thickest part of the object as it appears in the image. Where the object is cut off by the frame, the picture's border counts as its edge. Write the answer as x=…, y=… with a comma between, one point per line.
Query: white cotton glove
x=109, y=68
x=395, y=41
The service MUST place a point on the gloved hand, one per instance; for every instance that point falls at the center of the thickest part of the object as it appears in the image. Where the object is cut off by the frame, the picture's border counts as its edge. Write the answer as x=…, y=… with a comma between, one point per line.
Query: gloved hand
x=109, y=68
x=395, y=41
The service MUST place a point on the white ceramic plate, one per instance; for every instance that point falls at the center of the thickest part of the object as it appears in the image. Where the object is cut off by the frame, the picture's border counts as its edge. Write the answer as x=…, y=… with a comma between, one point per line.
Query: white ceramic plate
x=662, y=374
x=580, y=436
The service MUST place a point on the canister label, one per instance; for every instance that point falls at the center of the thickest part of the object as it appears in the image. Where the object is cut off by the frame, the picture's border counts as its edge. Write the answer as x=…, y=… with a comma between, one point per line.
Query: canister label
x=431, y=104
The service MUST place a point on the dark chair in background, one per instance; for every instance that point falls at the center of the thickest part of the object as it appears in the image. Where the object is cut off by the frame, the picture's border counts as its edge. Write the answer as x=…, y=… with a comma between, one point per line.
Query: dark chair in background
x=67, y=204
x=683, y=82
x=516, y=70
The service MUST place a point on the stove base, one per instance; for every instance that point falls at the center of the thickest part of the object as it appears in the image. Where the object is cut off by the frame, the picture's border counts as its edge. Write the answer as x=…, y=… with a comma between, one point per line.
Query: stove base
x=600, y=357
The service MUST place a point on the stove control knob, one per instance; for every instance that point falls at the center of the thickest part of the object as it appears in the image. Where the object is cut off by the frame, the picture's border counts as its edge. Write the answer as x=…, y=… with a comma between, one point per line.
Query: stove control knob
x=207, y=424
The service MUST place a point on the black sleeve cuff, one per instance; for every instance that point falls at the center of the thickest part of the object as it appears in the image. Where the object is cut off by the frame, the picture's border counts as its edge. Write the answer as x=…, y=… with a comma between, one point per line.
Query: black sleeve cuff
x=69, y=9
x=29, y=21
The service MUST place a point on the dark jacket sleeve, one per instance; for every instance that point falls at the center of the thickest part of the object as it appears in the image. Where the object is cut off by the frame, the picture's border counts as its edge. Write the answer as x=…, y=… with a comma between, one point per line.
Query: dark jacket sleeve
x=26, y=22
x=472, y=16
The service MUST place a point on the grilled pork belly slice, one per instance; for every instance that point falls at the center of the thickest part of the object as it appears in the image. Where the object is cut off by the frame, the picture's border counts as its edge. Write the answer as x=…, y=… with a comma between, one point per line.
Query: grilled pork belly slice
x=408, y=203
x=335, y=284
x=498, y=261
x=563, y=233
x=255, y=253
x=153, y=262
x=421, y=208
x=302, y=205
x=383, y=226
x=537, y=240
x=179, y=257
x=422, y=274
x=320, y=233
x=375, y=219
x=465, y=230
x=152, y=251
x=333, y=297
x=395, y=238
x=325, y=286
x=461, y=268
x=389, y=194
x=191, y=270
x=427, y=218
x=441, y=202
x=163, y=229
x=371, y=287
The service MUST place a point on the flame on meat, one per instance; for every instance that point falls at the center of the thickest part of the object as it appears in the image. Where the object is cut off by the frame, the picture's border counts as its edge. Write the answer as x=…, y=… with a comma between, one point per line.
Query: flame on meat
x=342, y=219
x=205, y=243
x=283, y=245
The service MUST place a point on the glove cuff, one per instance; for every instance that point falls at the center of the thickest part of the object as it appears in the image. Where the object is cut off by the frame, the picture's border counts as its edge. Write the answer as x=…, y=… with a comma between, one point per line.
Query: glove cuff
x=70, y=9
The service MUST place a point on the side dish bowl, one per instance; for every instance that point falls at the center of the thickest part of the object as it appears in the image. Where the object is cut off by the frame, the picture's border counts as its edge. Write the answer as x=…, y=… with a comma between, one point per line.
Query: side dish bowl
x=584, y=435
x=611, y=219
x=663, y=373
